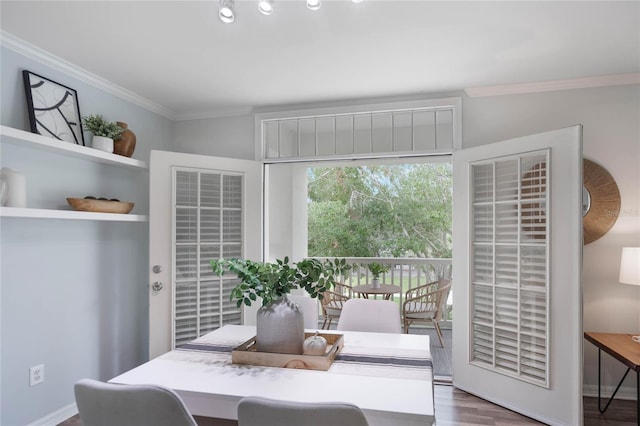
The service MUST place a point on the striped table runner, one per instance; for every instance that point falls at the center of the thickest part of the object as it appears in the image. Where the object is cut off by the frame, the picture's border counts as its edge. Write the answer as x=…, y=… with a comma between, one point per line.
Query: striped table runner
x=377, y=361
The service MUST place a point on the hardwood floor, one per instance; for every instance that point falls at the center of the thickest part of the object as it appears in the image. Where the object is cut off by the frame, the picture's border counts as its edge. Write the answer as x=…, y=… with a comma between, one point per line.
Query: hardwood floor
x=455, y=407
x=620, y=413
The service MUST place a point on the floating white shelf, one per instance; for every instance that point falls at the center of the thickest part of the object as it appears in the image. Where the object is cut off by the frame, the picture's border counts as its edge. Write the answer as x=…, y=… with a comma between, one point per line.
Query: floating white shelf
x=69, y=214
x=42, y=143
x=20, y=137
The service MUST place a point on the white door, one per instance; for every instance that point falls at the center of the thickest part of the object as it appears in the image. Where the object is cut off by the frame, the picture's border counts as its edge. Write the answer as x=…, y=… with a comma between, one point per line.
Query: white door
x=201, y=208
x=517, y=249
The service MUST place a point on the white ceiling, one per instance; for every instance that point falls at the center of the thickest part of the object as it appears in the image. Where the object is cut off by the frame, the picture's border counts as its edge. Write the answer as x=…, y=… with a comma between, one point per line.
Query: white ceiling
x=178, y=55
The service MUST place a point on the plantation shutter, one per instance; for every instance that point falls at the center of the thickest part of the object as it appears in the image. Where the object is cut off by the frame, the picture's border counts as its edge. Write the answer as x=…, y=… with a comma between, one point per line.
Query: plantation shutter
x=208, y=219
x=415, y=128
x=510, y=265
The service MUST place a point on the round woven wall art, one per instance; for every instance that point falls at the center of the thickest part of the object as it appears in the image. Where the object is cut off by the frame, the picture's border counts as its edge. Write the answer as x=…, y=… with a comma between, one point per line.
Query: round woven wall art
x=600, y=201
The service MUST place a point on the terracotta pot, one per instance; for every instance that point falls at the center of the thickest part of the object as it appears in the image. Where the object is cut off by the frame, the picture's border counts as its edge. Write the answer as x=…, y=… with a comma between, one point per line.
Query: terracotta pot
x=127, y=142
x=280, y=327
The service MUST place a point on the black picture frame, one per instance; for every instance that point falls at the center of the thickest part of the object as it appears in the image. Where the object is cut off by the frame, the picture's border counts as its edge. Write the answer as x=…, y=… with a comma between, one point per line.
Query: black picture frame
x=53, y=109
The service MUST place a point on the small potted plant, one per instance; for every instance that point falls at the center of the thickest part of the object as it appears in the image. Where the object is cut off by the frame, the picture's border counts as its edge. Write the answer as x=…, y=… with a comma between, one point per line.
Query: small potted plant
x=377, y=269
x=278, y=316
x=104, y=132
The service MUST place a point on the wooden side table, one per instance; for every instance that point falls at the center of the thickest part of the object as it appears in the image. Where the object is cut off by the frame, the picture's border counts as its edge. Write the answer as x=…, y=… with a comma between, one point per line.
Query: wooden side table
x=386, y=290
x=625, y=350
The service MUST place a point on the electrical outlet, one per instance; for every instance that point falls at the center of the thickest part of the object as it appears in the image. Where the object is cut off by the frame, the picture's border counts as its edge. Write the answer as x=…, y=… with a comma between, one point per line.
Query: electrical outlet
x=36, y=375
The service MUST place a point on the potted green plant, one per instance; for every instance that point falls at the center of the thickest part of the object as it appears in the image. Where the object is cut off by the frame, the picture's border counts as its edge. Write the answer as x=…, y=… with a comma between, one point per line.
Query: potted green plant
x=376, y=269
x=104, y=132
x=279, y=322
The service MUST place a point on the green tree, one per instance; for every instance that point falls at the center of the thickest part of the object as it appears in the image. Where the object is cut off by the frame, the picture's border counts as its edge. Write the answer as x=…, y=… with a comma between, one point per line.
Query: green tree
x=380, y=211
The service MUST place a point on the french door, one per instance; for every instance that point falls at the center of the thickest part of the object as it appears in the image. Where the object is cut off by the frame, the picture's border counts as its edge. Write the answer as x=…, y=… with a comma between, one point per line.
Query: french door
x=517, y=247
x=202, y=208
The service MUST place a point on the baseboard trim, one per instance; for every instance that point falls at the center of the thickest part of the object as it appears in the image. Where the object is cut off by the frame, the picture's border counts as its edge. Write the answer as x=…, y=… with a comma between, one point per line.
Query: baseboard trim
x=625, y=392
x=58, y=416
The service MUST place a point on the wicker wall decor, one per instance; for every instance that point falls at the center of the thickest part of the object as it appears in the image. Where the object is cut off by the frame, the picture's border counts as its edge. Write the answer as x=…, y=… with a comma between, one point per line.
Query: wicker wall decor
x=601, y=201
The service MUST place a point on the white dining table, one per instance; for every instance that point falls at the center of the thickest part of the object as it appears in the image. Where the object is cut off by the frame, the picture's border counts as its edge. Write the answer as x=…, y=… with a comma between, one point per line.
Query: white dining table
x=389, y=376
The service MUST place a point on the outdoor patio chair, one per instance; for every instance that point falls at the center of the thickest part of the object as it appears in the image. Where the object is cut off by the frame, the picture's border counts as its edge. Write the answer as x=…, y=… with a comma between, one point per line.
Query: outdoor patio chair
x=426, y=303
x=256, y=411
x=333, y=301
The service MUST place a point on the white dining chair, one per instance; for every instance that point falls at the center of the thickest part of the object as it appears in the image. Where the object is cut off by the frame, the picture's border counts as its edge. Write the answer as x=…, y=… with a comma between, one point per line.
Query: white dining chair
x=257, y=411
x=380, y=316
x=309, y=307
x=108, y=404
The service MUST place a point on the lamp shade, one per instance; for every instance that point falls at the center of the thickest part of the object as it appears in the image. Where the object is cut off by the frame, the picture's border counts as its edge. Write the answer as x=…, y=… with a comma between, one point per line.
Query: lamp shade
x=630, y=266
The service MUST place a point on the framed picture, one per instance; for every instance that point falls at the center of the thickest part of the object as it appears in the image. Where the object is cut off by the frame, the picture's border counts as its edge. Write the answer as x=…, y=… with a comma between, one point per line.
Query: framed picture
x=53, y=109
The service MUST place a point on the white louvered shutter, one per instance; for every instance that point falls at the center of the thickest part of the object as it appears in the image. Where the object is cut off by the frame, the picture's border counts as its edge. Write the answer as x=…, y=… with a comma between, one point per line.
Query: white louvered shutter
x=208, y=219
x=510, y=266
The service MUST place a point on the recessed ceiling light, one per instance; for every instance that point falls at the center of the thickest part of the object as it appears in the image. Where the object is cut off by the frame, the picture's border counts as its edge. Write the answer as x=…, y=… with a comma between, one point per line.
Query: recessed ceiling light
x=227, y=11
x=265, y=7
x=313, y=4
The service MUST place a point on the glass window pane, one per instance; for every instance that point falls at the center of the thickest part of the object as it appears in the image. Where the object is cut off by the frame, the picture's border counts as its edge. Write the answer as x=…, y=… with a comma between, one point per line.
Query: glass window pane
x=444, y=129
x=402, y=132
x=271, y=139
x=210, y=190
x=325, y=128
x=288, y=134
x=186, y=188
x=382, y=133
x=362, y=134
x=344, y=135
x=424, y=130
x=307, y=129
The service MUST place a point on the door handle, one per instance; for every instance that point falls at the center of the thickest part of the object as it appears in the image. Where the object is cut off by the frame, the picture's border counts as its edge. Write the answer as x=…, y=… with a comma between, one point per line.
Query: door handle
x=156, y=286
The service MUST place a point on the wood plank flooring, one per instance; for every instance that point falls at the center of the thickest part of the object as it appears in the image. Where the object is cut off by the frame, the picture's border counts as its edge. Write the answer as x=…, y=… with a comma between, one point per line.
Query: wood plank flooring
x=455, y=407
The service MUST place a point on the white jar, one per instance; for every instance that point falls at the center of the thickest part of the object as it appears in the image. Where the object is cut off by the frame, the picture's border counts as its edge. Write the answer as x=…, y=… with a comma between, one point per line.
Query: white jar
x=14, y=188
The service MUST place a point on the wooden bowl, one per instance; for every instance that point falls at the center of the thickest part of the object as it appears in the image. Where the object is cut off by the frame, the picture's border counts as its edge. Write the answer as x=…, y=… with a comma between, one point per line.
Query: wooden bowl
x=103, y=206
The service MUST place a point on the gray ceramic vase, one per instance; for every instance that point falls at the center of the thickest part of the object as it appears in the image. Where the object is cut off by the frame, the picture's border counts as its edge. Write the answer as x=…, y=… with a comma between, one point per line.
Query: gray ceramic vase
x=280, y=327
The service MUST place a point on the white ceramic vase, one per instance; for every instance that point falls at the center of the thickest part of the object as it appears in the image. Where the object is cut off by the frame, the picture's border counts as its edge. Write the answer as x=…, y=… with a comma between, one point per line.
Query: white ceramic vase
x=102, y=143
x=280, y=327
x=375, y=283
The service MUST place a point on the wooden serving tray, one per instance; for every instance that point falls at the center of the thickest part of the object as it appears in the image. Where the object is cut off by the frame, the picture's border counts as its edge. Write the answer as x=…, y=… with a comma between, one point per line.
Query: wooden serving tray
x=103, y=206
x=246, y=353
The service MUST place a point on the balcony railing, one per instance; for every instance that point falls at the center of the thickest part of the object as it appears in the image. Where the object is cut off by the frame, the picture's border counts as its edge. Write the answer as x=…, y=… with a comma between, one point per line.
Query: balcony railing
x=407, y=273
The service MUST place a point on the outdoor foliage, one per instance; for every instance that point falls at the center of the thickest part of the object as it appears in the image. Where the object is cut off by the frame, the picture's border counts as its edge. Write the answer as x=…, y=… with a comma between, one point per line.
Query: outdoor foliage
x=380, y=211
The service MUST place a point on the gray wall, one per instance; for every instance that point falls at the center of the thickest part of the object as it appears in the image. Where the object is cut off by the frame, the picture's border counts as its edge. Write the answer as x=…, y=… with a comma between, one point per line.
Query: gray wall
x=611, y=138
x=73, y=293
x=222, y=137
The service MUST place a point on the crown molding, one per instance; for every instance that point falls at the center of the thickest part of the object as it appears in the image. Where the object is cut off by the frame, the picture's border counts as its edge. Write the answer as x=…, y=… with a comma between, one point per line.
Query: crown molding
x=554, y=85
x=37, y=54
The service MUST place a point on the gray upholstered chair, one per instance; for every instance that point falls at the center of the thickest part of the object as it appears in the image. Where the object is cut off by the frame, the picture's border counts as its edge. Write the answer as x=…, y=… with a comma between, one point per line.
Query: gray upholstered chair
x=107, y=404
x=256, y=411
x=380, y=316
